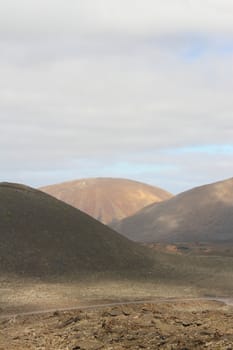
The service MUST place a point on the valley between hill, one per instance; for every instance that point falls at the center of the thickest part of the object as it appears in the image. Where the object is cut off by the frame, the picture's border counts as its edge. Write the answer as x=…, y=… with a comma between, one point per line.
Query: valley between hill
x=173, y=275
x=52, y=256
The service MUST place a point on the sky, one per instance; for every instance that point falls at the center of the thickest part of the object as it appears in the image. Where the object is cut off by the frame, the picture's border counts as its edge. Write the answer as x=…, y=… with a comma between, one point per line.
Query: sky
x=139, y=89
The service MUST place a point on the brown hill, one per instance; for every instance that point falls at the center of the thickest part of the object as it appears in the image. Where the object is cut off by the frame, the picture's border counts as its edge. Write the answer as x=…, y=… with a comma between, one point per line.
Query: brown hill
x=40, y=235
x=203, y=214
x=107, y=199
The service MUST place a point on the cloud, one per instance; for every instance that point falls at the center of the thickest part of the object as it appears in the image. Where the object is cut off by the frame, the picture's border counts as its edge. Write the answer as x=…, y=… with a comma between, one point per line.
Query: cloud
x=126, y=17
x=97, y=87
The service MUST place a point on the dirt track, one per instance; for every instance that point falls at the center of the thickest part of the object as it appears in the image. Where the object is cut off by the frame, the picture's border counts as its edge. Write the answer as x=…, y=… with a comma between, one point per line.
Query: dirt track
x=183, y=325
x=93, y=306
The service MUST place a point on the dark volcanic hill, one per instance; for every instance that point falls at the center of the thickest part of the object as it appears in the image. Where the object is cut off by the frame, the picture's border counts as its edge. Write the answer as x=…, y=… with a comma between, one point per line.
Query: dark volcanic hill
x=203, y=214
x=107, y=199
x=40, y=235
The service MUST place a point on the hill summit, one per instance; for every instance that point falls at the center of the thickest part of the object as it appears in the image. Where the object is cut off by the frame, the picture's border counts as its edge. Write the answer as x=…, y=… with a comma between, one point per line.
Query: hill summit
x=107, y=199
x=202, y=214
x=40, y=235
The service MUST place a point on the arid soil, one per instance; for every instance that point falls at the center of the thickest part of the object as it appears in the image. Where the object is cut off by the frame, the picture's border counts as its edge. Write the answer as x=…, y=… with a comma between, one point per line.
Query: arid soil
x=183, y=325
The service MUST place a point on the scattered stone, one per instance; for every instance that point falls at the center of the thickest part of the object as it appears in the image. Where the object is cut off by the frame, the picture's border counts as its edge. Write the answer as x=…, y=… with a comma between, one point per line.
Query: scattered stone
x=89, y=345
x=186, y=323
x=16, y=337
x=69, y=321
x=125, y=312
x=113, y=313
x=169, y=328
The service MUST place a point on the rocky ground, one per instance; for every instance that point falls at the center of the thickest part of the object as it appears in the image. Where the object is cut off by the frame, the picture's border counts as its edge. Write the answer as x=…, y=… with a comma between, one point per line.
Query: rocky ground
x=183, y=325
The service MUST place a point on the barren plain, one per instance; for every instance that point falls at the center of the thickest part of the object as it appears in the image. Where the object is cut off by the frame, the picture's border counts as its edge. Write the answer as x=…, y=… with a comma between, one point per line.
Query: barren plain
x=180, y=306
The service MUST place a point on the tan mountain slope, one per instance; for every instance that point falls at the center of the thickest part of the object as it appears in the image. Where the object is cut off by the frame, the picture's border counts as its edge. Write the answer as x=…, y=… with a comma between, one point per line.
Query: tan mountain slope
x=203, y=214
x=107, y=199
x=40, y=235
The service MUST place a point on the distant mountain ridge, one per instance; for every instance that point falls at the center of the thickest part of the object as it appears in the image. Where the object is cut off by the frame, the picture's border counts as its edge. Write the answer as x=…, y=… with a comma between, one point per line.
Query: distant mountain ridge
x=202, y=214
x=40, y=235
x=107, y=199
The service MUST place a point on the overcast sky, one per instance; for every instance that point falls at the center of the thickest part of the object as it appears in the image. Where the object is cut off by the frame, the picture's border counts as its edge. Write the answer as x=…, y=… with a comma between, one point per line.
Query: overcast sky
x=140, y=89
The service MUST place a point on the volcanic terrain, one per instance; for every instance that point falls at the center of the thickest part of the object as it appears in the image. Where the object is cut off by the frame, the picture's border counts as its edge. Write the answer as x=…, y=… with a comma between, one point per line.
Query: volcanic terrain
x=174, y=325
x=87, y=287
x=42, y=236
x=202, y=214
x=107, y=199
